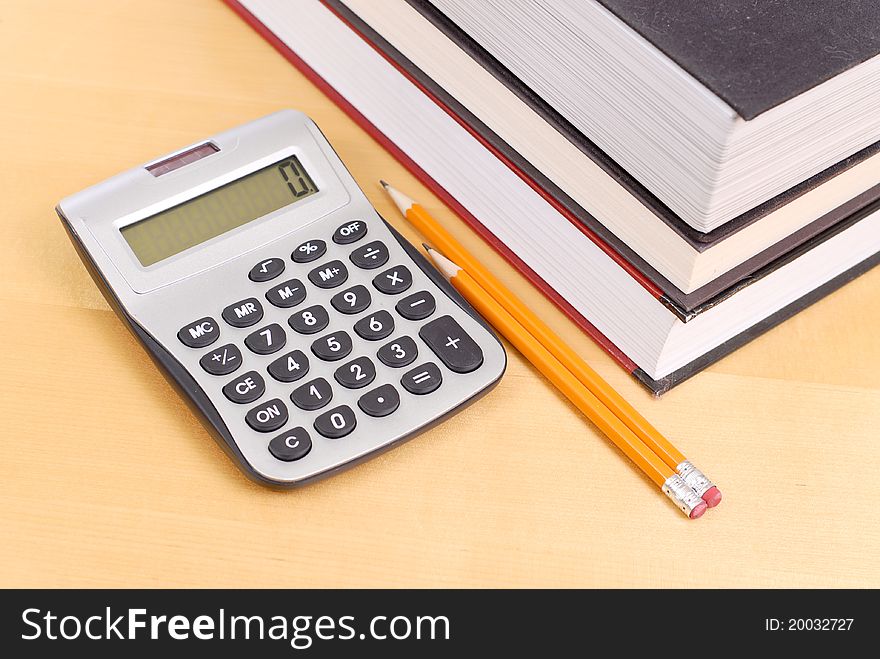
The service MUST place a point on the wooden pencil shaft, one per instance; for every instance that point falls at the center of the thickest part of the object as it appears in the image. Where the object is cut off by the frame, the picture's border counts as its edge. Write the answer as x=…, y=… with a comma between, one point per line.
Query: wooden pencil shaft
x=541, y=358
x=443, y=240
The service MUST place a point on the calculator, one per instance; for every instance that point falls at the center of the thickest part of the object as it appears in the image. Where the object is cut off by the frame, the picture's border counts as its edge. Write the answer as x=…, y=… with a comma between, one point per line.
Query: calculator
x=305, y=332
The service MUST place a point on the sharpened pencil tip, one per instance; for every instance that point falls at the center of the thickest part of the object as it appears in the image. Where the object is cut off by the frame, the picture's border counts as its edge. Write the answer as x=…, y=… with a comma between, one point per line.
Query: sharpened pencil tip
x=427, y=247
x=384, y=183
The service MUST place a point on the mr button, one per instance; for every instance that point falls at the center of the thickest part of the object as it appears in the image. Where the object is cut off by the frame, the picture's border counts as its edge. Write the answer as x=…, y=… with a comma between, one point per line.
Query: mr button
x=200, y=333
x=452, y=345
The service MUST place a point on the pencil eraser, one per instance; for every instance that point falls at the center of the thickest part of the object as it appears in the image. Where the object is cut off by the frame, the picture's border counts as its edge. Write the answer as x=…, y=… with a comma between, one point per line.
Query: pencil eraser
x=698, y=510
x=712, y=496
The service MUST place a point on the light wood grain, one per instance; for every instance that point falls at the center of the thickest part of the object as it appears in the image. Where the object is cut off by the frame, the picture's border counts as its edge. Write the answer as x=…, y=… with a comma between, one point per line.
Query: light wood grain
x=108, y=480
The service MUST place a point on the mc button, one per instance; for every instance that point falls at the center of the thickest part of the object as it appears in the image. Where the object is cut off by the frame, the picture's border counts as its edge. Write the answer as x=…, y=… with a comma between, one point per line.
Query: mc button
x=200, y=333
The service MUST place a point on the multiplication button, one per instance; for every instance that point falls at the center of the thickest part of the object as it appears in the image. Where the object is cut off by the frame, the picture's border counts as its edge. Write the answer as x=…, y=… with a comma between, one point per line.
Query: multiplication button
x=222, y=361
x=200, y=333
x=394, y=280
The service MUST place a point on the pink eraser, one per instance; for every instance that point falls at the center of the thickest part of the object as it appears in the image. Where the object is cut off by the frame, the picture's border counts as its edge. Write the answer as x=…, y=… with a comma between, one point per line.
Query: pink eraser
x=698, y=510
x=712, y=496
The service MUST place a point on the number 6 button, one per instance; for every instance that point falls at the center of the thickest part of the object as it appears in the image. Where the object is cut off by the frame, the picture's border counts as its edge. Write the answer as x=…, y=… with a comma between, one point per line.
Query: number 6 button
x=375, y=326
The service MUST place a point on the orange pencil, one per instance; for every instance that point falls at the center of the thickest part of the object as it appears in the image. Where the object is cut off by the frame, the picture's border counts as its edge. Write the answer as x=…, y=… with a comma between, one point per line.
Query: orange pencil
x=649, y=462
x=443, y=240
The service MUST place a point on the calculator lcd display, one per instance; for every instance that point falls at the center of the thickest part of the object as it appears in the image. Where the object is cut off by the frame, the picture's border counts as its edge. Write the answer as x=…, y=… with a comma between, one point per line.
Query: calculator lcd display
x=225, y=208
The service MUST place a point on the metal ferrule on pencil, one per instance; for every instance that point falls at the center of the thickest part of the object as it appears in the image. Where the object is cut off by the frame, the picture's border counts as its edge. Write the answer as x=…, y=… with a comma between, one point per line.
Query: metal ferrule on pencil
x=681, y=493
x=694, y=478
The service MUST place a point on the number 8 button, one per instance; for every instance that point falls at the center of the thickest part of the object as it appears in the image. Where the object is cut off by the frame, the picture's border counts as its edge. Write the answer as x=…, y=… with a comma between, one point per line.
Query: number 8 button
x=309, y=321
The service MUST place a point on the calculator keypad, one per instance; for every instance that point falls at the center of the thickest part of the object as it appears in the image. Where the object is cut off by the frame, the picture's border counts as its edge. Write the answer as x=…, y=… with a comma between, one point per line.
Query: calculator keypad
x=354, y=358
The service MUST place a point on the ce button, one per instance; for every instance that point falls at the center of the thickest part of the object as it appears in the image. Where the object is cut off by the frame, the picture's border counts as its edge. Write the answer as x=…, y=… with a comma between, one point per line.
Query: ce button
x=292, y=445
x=246, y=388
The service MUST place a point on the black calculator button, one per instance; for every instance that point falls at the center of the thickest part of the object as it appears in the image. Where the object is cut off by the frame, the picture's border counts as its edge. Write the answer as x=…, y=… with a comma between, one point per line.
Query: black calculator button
x=287, y=294
x=381, y=401
x=375, y=326
x=267, y=340
x=294, y=444
x=336, y=423
x=246, y=388
x=422, y=379
x=394, y=280
x=309, y=251
x=200, y=333
x=352, y=300
x=313, y=395
x=329, y=275
x=244, y=313
x=350, y=232
x=452, y=345
x=266, y=270
x=355, y=374
x=369, y=256
x=290, y=367
x=398, y=353
x=310, y=321
x=267, y=416
x=417, y=306
x=222, y=361
x=333, y=346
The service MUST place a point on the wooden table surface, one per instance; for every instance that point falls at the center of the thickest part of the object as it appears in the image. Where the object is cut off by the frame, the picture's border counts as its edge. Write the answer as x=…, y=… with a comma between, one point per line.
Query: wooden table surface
x=109, y=480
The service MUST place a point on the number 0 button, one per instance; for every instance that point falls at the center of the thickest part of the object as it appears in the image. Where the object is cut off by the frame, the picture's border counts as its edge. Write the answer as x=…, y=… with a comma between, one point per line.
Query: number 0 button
x=336, y=423
x=267, y=340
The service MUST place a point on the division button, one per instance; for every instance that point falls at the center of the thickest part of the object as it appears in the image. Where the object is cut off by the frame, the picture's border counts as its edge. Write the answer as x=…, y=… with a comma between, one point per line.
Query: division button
x=394, y=280
x=267, y=416
x=329, y=275
x=309, y=251
x=287, y=294
x=355, y=374
x=290, y=367
x=336, y=423
x=333, y=346
x=369, y=256
x=452, y=345
x=200, y=333
x=244, y=313
x=266, y=270
x=350, y=232
x=417, y=306
x=400, y=352
x=376, y=326
x=352, y=300
x=313, y=395
x=222, y=361
x=292, y=445
x=267, y=340
x=310, y=321
x=246, y=388
x=422, y=379
x=381, y=401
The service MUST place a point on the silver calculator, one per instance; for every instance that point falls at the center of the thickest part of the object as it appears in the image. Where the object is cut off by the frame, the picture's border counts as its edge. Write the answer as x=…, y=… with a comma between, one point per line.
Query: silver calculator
x=305, y=332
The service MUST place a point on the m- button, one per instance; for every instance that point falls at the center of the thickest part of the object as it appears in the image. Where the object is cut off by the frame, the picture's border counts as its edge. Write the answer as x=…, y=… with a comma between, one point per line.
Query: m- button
x=200, y=333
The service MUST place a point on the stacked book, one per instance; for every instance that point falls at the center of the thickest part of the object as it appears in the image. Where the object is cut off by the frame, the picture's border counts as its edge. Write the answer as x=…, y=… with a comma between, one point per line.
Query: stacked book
x=678, y=177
